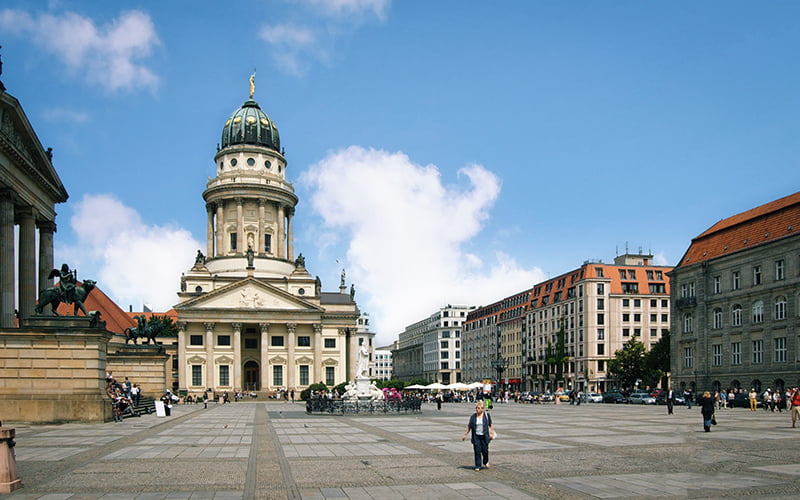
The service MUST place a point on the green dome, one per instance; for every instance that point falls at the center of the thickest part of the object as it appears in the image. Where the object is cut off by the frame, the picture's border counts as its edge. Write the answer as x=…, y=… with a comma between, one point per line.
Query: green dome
x=250, y=125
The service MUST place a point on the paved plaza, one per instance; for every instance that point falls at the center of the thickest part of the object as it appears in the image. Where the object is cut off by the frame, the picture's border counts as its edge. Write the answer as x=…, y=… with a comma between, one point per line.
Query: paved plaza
x=275, y=450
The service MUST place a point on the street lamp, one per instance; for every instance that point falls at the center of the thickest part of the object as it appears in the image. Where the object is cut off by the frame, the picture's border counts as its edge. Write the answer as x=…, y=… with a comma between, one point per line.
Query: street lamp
x=500, y=364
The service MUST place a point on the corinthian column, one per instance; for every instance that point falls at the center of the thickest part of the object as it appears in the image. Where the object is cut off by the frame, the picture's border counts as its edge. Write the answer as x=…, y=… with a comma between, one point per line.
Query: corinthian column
x=183, y=382
x=46, y=230
x=210, y=355
x=241, y=242
x=291, y=328
x=317, y=375
x=237, y=356
x=210, y=230
x=220, y=250
x=289, y=235
x=27, y=261
x=281, y=233
x=264, y=372
x=7, y=197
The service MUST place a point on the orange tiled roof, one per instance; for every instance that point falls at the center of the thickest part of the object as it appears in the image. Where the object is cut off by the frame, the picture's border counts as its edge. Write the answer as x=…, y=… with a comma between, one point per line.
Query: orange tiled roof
x=116, y=319
x=759, y=225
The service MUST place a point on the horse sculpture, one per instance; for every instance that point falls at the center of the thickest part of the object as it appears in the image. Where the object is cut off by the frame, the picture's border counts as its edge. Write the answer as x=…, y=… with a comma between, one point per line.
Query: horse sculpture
x=143, y=331
x=54, y=296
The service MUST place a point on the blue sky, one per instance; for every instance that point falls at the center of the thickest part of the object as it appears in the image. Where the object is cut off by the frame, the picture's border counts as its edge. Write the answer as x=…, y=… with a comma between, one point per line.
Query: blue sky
x=443, y=152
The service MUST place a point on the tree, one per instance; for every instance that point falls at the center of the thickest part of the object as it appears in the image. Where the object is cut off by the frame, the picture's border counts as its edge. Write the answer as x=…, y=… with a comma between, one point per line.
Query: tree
x=168, y=327
x=658, y=359
x=628, y=365
x=557, y=356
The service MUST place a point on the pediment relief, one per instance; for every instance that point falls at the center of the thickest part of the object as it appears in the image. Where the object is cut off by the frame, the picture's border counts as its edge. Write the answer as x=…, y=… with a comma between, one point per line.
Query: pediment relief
x=223, y=360
x=330, y=362
x=249, y=294
x=277, y=360
x=305, y=360
x=196, y=360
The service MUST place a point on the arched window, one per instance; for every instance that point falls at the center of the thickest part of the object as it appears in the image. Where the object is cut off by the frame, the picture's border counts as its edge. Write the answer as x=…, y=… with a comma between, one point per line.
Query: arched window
x=688, y=323
x=780, y=307
x=717, y=318
x=758, y=311
x=736, y=315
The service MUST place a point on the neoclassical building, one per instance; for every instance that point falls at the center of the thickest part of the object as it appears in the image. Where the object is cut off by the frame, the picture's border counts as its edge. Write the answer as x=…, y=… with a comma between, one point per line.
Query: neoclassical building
x=251, y=317
x=29, y=190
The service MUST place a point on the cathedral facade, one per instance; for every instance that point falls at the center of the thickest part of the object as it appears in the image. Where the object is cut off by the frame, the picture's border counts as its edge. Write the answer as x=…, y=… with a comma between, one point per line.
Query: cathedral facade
x=250, y=315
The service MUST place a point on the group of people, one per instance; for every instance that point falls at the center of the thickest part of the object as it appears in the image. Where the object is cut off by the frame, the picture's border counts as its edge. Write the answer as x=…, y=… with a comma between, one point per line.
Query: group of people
x=125, y=397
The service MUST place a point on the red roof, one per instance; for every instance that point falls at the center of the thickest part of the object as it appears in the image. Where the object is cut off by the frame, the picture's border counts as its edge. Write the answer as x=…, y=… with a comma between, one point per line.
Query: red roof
x=116, y=319
x=776, y=219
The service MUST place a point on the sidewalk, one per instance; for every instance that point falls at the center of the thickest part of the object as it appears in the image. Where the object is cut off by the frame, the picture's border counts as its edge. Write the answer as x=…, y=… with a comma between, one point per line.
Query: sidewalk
x=274, y=450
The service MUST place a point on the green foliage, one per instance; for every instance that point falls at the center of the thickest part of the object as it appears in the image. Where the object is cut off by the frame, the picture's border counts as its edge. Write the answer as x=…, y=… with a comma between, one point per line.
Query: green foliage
x=418, y=381
x=168, y=327
x=304, y=394
x=634, y=363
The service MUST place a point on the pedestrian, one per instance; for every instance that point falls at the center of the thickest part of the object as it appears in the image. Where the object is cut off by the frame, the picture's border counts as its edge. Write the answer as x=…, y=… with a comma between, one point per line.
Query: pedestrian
x=687, y=395
x=753, y=396
x=795, y=402
x=707, y=410
x=480, y=424
x=167, y=400
x=136, y=393
x=777, y=401
x=670, y=401
x=292, y=394
x=205, y=399
x=439, y=401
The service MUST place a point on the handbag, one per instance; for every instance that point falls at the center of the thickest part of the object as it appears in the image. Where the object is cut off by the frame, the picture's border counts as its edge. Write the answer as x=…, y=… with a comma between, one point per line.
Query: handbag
x=713, y=421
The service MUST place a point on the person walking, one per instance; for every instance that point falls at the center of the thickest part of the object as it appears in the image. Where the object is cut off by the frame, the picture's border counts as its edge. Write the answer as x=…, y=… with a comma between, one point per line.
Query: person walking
x=482, y=429
x=707, y=410
x=670, y=401
x=795, y=402
x=753, y=396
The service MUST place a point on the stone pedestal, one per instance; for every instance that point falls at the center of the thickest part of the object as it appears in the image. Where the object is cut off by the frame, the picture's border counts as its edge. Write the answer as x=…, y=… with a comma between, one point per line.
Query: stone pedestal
x=8, y=462
x=362, y=387
x=52, y=369
x=145, y=365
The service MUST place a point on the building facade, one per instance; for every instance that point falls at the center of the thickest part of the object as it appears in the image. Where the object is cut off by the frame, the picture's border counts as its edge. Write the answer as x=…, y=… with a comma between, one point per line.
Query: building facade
x=431, y=348
x=577, y=321
x=736, y=297
x=383, y=362
x=29, y=190
x=493, y=342
x=251, y=317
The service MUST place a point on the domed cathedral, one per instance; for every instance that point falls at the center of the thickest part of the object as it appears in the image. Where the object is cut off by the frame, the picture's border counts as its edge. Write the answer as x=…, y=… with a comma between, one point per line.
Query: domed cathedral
x=251, y=317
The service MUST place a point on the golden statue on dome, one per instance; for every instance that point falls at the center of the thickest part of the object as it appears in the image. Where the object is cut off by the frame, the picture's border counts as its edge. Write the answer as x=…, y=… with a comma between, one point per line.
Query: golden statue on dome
x=253, y=83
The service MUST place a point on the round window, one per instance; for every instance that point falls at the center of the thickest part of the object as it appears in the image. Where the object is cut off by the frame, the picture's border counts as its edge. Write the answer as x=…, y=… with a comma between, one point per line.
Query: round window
x=198, y=289
x=301, y=291
x=251, y=162
x=234, y=162
x=267, y=164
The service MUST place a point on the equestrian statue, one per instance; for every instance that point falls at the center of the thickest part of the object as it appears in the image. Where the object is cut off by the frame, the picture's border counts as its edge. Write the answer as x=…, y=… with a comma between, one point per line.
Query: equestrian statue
x=68, y=291
x=143, y=330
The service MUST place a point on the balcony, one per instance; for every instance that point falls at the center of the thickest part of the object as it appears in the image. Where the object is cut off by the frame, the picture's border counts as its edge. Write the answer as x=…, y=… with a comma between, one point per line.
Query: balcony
x=686, y=302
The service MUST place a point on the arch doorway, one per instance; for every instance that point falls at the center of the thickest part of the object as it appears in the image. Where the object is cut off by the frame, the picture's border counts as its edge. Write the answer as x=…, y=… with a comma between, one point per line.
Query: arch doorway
x=252, y=376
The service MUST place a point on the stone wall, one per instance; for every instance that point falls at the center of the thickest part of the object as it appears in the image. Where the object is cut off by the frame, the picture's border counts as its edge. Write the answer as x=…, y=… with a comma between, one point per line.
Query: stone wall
x=146, y=365
x=52, y=369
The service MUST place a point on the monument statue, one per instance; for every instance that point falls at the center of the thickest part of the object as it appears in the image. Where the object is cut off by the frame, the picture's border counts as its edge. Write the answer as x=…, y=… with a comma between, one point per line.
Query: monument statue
x=253, y=83
x=300, y=261
x=362, y=364
x=317, y=286
x=250, y=255
x=352, y=292
x=200, y=259
x=68, y=291
x=143, y=330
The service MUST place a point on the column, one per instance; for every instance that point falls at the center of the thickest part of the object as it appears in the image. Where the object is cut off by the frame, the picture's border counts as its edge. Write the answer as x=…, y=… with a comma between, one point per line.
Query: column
x=262, y=229
x=237, y=356
x=241, y=243
x=281, y=235
x=344, y=349
x=220, y=250
x=46, y=230
x=209, y=355
x=264, y=372
x=289, y=236
x=27, y=261
x=210, y=230
x=291, y=328
x=183, y=340
x=7, y=197
x=318, y=374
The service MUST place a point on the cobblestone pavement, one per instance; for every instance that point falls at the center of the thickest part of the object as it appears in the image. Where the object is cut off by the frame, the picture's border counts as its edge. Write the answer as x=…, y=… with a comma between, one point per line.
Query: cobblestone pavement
x=275, y=450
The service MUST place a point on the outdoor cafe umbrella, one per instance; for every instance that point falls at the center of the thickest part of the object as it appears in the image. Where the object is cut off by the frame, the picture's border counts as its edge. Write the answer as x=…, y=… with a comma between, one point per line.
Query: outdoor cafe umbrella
x=436, y=386
x=458, y=386
x=415, y=386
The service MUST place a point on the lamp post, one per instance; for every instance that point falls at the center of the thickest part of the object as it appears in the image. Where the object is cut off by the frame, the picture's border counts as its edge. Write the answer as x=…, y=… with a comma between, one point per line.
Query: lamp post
x=500, y=364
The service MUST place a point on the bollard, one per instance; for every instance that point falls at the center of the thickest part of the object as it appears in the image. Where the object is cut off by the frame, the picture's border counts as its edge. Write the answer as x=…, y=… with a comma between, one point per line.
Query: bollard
x=8, y=463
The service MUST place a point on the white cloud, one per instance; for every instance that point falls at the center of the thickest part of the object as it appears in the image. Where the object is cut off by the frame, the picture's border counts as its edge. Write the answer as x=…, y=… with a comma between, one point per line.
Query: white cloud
x=406, y=235
x=350, y=8
x=294, y=47
x=133, y=263
x=61, y=115
x=106, y=55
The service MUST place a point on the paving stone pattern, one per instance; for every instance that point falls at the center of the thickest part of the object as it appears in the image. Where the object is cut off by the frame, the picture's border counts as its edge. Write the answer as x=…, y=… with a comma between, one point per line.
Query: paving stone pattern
x=274, y=450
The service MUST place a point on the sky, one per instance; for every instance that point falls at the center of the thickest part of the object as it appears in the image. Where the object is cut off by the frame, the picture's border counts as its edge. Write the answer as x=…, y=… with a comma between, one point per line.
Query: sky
x=449, y=152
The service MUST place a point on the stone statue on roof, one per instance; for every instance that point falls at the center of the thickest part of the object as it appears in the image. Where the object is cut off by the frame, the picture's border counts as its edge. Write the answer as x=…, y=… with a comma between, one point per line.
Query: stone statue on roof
x=253, y=83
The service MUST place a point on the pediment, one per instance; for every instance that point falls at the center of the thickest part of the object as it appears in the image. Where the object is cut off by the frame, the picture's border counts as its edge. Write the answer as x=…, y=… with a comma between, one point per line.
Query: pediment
x=277, y=360
x=330, y=362
x=305, y=360
x=196, y=360
x=249, y=294
x=223, y=360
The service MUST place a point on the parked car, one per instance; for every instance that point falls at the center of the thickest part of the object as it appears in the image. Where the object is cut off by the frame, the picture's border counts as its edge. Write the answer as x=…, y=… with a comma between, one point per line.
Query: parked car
x=591, y=397
x=742, y=400
x=641, y=398
x=614, y=397
x=661, y=398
